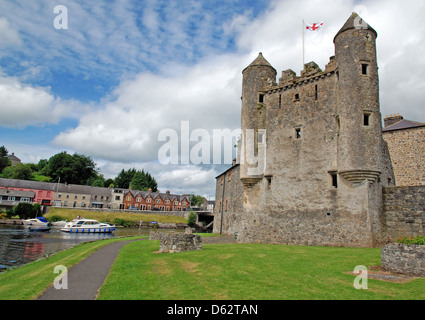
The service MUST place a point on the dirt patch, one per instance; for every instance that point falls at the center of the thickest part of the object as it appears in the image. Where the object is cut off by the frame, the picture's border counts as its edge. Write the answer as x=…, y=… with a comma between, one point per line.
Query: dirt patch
x=162, y=267
x=190, y=267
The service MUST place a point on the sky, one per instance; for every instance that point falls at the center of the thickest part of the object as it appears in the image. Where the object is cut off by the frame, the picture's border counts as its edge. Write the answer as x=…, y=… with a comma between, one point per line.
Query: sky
x=109, y=78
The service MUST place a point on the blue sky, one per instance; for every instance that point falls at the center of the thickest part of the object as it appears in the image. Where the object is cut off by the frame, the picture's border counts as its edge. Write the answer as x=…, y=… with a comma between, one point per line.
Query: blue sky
x=125, y=70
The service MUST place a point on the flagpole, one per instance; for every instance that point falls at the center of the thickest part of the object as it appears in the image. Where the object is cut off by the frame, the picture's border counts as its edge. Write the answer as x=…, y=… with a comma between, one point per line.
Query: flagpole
x=303, y=42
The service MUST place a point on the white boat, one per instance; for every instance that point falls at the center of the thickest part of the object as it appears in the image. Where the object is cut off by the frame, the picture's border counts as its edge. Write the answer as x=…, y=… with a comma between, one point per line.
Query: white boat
x=87, y=226
x=37, y=222
x=59, y=223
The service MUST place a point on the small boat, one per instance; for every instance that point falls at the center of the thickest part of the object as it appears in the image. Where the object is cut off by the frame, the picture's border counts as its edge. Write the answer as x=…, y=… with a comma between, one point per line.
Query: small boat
x=59, y=223
x=39, y=229
x=87, y=226
x=39, y=222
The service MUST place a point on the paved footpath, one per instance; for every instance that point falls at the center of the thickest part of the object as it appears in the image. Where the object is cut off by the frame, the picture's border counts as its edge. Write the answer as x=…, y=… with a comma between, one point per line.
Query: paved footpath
x=86, y=277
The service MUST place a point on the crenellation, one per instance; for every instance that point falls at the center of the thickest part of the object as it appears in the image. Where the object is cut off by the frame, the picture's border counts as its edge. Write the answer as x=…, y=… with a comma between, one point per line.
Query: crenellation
x=322, y=171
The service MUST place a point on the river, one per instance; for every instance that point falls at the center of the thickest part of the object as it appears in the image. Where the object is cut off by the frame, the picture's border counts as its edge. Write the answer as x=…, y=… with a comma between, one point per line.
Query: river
x=18, y=246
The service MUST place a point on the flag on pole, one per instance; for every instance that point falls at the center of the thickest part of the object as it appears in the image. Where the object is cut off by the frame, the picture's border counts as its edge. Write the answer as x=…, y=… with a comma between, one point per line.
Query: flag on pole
x=309, y=27
x=313, y=26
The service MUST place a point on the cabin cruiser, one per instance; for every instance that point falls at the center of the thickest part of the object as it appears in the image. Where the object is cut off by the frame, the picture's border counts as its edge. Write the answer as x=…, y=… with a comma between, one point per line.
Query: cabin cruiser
x=87, y=226
x=37, y=222
x=59, y=223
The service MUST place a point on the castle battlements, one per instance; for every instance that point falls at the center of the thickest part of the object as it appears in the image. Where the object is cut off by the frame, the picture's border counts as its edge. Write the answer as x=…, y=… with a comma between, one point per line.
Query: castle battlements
x=320, y=159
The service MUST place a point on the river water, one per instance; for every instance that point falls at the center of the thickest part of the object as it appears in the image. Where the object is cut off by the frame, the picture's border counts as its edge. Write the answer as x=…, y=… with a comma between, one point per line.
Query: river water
x=18, y=246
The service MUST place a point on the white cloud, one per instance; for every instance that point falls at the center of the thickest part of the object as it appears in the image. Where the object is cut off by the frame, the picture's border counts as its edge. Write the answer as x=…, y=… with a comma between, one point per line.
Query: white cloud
x=23, y=105
x=129, y=124
x=123, y=128
x=8, y=36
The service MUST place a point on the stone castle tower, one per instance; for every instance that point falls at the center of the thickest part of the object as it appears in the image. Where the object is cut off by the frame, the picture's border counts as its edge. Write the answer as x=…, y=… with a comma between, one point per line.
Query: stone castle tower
x=312, y=158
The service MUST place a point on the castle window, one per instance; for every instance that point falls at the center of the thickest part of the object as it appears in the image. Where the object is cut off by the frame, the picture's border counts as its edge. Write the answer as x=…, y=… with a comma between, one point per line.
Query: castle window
x=316, y=93
x=364, y=68
x=298, y=133
x=269, y=182
x=261, y=98
x=297, y=97
x=366, y=119
x=334, y=179
x=280, y=101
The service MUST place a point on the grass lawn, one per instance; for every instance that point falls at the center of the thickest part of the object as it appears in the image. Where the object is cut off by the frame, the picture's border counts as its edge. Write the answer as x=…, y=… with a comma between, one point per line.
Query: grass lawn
x=248, y=272
x=105, y=216
x=29, y=281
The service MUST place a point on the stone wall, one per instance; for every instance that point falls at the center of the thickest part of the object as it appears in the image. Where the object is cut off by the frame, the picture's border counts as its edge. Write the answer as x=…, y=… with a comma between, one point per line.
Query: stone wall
x=228, y=202
x=176, y=242
x=406, y=147
x=402, y=258
x=404, y=211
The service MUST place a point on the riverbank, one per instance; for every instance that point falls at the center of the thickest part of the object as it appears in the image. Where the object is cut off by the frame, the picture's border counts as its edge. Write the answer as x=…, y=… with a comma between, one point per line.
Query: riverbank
x=30, y=280
x=128, y=219
x=230, y=271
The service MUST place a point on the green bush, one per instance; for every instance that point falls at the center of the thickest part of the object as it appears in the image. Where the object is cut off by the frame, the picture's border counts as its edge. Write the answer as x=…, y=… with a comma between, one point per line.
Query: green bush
x=55, y=219
x=418, y=240
x=27, y=210
x=123, y=223
x=192, y=219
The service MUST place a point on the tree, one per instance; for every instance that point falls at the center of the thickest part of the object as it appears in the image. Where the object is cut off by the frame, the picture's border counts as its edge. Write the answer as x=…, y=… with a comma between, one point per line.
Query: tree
x=27, y=210
x=139, y=181
x=124, y=178
x=109, y=183
x=196, y=201
x=4, y=160
x=19, y=171
x=76, y=169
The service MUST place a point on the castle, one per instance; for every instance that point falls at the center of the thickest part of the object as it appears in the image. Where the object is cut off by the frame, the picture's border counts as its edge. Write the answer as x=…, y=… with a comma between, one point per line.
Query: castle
x=313, y=164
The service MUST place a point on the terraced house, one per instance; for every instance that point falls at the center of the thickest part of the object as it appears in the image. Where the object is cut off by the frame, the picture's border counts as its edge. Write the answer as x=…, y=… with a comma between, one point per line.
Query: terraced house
x=148, y=200
x=79, y=196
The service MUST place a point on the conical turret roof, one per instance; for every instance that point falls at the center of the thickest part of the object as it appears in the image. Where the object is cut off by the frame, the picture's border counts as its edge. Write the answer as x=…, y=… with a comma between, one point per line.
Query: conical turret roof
x=260, y=61
x=355, y=22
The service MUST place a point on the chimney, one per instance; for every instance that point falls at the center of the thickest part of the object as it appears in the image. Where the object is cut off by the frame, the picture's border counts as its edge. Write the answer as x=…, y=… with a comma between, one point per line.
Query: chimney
x=391, y=119
x=167, y=192
x=150, y=189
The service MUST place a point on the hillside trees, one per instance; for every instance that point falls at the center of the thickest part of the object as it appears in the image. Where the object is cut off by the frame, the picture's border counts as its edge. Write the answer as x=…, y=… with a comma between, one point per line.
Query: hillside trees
x=138, y=180
x=4, y=160
x=72, y=169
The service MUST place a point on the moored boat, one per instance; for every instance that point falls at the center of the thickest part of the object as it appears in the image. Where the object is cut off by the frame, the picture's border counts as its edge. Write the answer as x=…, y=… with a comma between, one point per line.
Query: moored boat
x=87, y=226
x=36, y=222
x=39, y=229
x=59, y=223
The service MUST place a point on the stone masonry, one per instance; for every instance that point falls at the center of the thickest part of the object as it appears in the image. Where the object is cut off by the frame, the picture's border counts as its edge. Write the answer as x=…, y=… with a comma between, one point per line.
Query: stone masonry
x=402, y=258
x=312, y=161
x=406, y=143
x=404, y=211
x=174, y=242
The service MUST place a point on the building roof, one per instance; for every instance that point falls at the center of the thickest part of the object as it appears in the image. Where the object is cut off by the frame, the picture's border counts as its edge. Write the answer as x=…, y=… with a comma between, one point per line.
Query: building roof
x=403, y=124
x=13, y=158
x=17, y=193
x=355, y=22
x=231, y=168
x=260, y=61
x=26, y=184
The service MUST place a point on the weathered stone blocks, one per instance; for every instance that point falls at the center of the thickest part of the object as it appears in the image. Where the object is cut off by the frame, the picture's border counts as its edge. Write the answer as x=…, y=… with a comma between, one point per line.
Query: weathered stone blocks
x=402, y=258
x=176, y=242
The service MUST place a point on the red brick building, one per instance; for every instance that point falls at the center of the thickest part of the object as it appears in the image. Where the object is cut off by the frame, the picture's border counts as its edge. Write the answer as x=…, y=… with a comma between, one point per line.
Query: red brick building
x=147, y=200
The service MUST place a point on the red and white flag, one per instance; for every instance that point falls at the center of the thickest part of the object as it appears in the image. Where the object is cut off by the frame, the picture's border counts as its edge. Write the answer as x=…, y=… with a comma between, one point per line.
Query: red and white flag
x=314, y=26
